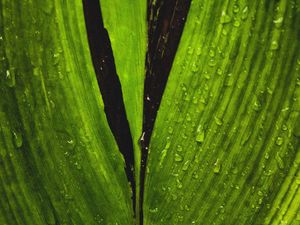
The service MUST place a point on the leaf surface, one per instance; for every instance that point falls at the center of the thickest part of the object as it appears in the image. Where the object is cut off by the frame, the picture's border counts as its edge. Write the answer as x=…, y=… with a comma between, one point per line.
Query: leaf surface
x=127, y=27
x=59, y=163
x=225, y=147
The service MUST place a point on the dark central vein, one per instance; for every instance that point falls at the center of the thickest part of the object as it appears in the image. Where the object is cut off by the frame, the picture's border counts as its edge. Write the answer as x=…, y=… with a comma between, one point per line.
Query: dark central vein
x=109, y=83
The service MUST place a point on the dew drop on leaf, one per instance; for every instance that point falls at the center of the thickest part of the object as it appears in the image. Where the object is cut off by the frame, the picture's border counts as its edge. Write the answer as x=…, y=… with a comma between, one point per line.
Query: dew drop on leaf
x=212, y=63
x=274, y=45
x=77, y=165
x=179, y=148
x=200, y=136
x=18, y=139
x=225, y=18
x=219, y=72
x=178, y=158
x=190, y=50
x=279, y=141
x=267, y=156
x=186, y=165
x=211, y=53
x=237, y=23
x=179, y=184
x=170, y=130
x=10, y=78
x=278, y=22
x=236, y=8
x=218, y=121
x=195, y=68
x=36, y=71
x=153, y=210
x=195, y=175
x=162, y=157
x=245, y=13
x=217, y=167
x=199, y=51
x=284, y=127
x=279, y=161
x=188, y=117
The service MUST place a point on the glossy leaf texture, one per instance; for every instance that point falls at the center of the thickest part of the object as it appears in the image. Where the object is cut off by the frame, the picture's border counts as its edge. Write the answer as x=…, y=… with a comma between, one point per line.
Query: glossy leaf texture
x=59, y=163
x=126, y=24
x=226, y=143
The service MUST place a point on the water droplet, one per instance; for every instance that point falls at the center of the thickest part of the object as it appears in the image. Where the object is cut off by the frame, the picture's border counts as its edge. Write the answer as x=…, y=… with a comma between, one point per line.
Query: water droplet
x=200, y=135
x=188, y=117
x=267, y=156
x=199, y=51
x=274, y=45
x=236, y=8
x=206, y=75
x=229, y=81
x=179, y=184
x=154, y=210
x=162, y=157
x=279, y=161
x=183, y=87
x=170, y=130
x=237, y=23
x=219, y=72
x=77, y=165
x=195, y=68
x=195, y=100
x=179, y=148
x=284, y=127
x=18, y=139
x=224, y=32
x=225, y=18
x=218, y=121
x=279, y=141
x=195, y=175
x=212, y=53
x=245, y=13
x=56, y=58
x=212, y=63
x=190, y=50
x=10, y=78
x=178, y=158
x=217, y=167
x=186, y=165
x=36, y=71
x=278, y=22
x=180, y=218
x=257, y=106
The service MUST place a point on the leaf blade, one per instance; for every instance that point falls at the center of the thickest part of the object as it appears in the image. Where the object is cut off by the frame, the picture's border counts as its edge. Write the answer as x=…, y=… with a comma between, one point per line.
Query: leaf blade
x=227, y=86
x=60, y=163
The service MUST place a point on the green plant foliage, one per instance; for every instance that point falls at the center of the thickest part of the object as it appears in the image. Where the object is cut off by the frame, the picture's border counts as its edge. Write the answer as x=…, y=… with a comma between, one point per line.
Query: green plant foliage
x=226, y=144
x=127, y=27
x=59, y=163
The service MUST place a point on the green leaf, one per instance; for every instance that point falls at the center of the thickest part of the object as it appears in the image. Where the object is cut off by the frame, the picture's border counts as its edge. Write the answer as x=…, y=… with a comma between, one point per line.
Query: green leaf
x=127, y=27
x=232, y=103
x=59, y=163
